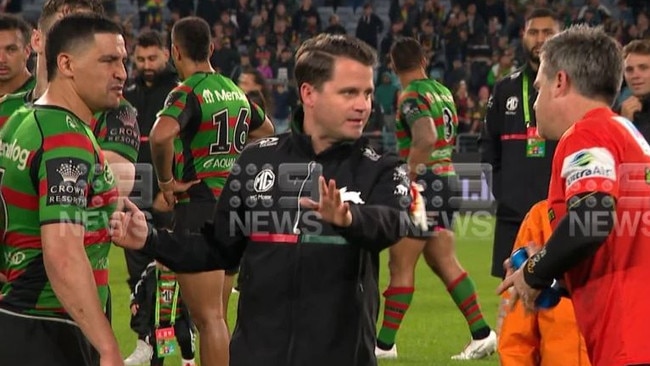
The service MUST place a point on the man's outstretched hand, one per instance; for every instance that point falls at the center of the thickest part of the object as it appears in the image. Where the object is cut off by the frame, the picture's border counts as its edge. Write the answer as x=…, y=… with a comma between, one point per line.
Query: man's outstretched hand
x=329, y=206
x=129, y=228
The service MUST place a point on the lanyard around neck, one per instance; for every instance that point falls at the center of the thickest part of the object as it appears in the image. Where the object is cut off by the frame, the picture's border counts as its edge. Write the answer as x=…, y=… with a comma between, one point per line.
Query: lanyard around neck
x=525, y=101
x=174, y=304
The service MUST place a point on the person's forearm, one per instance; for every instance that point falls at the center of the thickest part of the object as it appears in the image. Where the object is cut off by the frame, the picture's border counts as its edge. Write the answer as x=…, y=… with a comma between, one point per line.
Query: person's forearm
x=162, y=155
x=375, y=227
x=577, y=236
x=72, y=280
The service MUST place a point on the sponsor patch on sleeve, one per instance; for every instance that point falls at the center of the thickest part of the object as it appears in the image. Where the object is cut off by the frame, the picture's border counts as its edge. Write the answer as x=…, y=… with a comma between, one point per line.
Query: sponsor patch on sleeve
x=588, y=167
x=67, y=181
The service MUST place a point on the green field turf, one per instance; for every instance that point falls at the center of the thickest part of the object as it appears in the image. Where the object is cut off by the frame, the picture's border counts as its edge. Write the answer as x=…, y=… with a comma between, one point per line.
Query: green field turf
x=433, y=329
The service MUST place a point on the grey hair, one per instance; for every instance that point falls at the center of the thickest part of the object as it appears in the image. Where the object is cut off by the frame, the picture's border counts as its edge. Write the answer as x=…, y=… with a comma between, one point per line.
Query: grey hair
x=592, y=60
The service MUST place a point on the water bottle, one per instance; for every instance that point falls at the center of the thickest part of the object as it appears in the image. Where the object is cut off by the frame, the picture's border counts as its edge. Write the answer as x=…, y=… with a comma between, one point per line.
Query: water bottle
x=550, y=296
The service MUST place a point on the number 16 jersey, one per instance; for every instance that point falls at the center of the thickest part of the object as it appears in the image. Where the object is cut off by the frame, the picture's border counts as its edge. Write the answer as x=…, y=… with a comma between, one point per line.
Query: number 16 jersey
x=215, y=116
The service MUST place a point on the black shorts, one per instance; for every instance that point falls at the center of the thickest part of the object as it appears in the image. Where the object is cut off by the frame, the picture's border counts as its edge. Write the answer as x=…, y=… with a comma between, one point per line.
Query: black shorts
x=441, y=201
x=189, y=218
x=505, y=234
x=33, y=341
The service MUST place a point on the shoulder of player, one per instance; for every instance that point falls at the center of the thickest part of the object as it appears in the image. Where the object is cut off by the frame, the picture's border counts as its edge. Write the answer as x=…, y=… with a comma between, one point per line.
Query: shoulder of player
x=57, y=121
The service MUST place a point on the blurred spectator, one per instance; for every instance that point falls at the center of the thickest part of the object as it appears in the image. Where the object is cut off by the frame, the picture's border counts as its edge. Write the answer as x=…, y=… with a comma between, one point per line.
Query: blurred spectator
x=265, y=69
x=181, y=8
x=334, y=26
x=209, y=10
x=257, y=88
x=386, y=94
x=594, y=13
x=369, y=27
x=283, y=67
x=475, y=23
x=282, y=97
x=464, y=107
x=299, y=20
x=260, y=50
x=396, y=31
x=503, y=67
x=224, y=58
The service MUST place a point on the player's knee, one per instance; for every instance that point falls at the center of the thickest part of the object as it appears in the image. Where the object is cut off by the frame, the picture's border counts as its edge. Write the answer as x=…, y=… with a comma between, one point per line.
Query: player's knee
x=207, y=319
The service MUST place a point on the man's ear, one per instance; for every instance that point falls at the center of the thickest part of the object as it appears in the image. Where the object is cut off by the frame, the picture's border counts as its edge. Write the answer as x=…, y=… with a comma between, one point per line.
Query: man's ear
x=37, y=41
x=307, y=94
x=65, y=65
x=561, y=84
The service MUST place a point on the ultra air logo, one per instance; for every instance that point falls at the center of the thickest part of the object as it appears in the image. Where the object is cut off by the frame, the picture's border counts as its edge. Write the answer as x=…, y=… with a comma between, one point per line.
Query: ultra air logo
x=595, y=162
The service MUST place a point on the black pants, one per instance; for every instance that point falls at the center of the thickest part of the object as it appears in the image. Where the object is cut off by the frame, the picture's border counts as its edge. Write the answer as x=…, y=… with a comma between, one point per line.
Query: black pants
x=505, y=234
x=184, y=336
x=29, y=341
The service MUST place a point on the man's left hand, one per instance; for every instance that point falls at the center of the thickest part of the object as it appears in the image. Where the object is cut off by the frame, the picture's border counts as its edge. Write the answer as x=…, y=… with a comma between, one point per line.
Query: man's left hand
x=515, y=279
x=522, y=291
x=330, y=206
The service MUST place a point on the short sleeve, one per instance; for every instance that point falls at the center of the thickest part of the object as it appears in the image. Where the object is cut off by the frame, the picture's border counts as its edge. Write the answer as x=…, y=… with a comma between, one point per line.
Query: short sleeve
x=257, y=116
x=588, y=166
x=182, y=105
x=65, y=168
x=117, y=130
x=414, y=107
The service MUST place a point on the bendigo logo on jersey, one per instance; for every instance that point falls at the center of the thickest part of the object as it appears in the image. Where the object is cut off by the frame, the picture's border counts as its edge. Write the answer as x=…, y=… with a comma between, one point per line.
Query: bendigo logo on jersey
x=67, y=181
x=15, y=153
x=595, y=162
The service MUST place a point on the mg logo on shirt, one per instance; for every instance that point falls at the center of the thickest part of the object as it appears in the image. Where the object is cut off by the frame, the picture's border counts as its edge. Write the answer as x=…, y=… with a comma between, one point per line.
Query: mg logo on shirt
x=512, y=103
x=264, y=180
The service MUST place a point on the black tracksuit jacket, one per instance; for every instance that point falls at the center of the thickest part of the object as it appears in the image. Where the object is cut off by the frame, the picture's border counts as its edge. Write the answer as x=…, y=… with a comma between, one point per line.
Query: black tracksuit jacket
x=309, y=298
x=518, y=182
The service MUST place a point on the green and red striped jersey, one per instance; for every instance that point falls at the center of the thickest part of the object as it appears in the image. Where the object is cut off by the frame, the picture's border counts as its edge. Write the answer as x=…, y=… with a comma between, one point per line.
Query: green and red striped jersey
x=166, y=288
x=428, y=98
x=116, y=130
x=51, y=171
x=215, y=116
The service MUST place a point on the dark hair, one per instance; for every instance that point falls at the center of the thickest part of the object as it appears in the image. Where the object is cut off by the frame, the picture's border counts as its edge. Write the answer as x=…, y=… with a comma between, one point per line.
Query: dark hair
x=51, y=7
x=9, y=22
x=71, y=31
x=316, y=56
x=542, y=13
x=638, y=46
x=192, y=35
x=150, y=38
x=263, y=98
x=592, y=60
x=406, y=54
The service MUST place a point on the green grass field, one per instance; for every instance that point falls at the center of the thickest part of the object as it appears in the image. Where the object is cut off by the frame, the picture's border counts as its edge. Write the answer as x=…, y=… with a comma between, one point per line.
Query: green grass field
x=433, y=329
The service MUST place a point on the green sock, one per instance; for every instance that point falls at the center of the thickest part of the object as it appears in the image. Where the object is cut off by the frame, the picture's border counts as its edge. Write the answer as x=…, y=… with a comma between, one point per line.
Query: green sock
x=463, y=292
x=397, y=302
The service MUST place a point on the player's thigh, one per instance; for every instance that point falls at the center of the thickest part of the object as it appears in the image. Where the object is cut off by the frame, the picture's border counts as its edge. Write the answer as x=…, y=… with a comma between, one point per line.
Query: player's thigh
x=404, y=255
x=202, y=293
x=36, y=342
x=441, y=202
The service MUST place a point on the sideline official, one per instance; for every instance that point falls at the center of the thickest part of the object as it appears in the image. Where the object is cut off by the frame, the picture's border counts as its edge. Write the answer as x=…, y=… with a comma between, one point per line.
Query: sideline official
x=520, y=160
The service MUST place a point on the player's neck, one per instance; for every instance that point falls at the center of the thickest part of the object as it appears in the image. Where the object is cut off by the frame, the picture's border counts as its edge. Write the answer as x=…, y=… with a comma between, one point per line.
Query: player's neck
x=197, y=67
x=405, y=78
x=12, y=85
x=579, y=106
x=61, y=94
x=41, y=78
